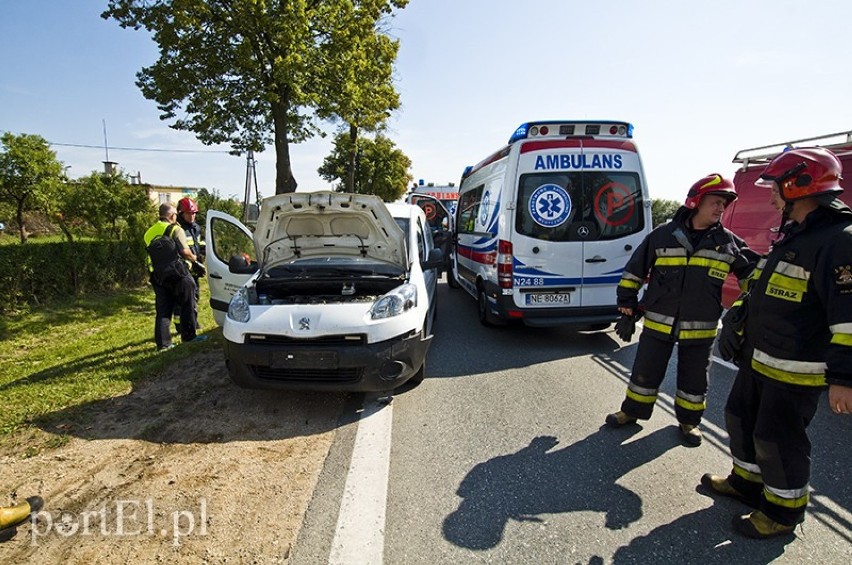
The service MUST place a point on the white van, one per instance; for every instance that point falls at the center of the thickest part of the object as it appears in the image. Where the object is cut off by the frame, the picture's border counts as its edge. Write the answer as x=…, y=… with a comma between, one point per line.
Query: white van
x=545, y=226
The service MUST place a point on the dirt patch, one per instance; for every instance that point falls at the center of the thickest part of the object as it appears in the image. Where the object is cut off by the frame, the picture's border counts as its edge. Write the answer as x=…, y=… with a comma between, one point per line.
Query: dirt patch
x=185, y=468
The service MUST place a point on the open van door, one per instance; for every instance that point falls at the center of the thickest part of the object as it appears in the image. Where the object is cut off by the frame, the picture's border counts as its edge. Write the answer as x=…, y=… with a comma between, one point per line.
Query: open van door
x=440, y=222
x=228, y=243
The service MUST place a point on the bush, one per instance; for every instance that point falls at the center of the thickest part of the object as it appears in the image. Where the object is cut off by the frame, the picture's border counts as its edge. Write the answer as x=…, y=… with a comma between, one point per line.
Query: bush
x=38, y=273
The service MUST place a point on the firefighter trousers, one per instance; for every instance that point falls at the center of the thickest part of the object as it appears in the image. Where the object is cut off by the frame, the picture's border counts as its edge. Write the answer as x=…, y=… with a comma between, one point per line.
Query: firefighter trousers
x=767, y=425
x=166, y=300
x=649, y=369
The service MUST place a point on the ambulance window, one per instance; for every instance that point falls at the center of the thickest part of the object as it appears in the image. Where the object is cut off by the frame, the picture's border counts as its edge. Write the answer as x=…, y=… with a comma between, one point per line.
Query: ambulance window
x=468, y=209
x=552, y=205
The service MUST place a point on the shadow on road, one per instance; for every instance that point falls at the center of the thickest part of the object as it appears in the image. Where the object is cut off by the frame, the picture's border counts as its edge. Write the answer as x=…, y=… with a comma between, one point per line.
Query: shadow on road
x=702, y=537
x=536, y=480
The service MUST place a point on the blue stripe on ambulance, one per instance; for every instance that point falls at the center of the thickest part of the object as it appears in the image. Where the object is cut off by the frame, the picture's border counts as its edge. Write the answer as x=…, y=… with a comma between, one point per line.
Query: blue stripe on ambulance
x=554, y=279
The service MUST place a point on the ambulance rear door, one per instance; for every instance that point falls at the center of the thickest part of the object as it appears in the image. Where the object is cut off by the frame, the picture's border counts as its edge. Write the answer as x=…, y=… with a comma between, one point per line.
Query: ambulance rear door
x=580, y=213
x=619, y=220
x=547, y=263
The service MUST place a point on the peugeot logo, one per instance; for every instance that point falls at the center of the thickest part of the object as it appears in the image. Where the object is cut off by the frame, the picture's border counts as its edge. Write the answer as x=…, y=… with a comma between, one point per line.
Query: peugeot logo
x=305, y=323
x=583, y=231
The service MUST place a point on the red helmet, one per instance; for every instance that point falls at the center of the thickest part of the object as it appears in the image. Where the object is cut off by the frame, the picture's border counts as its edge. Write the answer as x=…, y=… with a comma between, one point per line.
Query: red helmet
x=187, y=205
x=802, y=173
x=711, y=184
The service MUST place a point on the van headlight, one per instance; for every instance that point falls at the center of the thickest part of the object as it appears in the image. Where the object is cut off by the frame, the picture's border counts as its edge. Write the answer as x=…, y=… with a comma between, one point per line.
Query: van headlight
x=238, y=309
x=394, y=303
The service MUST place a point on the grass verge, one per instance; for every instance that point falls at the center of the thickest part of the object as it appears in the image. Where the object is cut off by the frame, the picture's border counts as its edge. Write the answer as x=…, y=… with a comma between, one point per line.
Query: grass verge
x=73, y=353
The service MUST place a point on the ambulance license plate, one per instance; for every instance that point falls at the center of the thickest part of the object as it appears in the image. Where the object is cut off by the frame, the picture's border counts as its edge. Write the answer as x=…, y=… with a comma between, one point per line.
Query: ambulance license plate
x=548, y=298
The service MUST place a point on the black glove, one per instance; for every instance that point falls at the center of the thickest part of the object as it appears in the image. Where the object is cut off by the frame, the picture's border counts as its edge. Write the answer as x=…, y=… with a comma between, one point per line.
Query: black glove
x=625, y=326
x=732, y=334
x=730, y=343
x=198, y=269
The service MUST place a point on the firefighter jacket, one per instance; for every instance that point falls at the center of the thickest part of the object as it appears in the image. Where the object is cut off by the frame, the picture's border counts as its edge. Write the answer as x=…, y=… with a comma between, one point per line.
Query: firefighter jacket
x=684, y=294
x=193, y=238
x=799, y=308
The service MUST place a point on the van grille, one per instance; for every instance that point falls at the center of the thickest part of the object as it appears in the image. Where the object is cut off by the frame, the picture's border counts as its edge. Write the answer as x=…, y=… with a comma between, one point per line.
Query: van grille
x=308, y=376
x=326, y=340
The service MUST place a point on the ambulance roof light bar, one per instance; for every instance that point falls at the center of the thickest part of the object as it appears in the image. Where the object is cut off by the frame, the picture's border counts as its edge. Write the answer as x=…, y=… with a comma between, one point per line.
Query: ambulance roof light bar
x=566, y=128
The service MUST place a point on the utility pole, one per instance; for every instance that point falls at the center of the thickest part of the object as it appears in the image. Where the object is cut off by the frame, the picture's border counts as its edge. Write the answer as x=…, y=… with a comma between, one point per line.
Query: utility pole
x=251, y=178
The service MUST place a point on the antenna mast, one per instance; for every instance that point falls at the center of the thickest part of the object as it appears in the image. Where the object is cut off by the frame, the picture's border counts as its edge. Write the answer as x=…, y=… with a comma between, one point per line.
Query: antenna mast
x=251, y=177
x=106, y=146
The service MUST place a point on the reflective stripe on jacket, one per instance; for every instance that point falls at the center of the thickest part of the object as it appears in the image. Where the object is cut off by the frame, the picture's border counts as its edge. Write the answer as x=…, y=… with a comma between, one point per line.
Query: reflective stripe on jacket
x=684, y=294
x=800, y=305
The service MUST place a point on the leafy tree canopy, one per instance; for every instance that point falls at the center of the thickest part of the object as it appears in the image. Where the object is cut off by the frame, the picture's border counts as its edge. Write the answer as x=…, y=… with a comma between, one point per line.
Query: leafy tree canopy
x=111, y=205
x=249, y=72
x=212, y=200
x=29, y=175
x=663, y=210
x=380, y=167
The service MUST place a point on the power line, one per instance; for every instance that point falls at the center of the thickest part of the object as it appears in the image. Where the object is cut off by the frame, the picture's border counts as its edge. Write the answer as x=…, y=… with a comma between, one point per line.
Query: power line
x=138, y=148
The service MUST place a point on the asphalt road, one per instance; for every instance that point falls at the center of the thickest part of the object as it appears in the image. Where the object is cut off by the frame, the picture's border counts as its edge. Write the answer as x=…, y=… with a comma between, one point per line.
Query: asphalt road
x=501, y=456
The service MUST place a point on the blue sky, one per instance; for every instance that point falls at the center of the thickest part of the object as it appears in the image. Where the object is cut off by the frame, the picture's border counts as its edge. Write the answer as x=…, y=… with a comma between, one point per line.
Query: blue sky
x=699, y=81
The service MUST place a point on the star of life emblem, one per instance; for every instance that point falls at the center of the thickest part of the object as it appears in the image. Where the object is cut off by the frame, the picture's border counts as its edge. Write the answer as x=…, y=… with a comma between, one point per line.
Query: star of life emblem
x=550, y=205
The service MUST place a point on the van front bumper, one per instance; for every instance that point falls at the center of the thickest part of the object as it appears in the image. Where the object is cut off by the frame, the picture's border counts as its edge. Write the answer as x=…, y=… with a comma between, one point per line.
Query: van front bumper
x=282, y=363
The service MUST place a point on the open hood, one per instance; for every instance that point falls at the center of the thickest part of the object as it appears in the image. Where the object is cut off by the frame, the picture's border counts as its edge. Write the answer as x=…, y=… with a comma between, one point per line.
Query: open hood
x=326, y=224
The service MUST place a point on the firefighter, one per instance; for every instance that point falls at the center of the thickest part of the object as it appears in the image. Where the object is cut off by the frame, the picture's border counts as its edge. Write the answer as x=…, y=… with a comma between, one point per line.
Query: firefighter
x=187, y=209
x=686, y=261
x=173, y=287
x=794, y=338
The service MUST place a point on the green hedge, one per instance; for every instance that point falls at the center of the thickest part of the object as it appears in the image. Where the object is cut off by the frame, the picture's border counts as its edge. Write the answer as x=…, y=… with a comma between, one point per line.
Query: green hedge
x=43, y=272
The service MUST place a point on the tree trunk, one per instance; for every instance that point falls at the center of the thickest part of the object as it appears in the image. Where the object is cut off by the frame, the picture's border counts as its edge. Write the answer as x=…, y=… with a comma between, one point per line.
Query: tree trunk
x=285, y=182
x=20, y=217
x=63, y=225
x=353, y=152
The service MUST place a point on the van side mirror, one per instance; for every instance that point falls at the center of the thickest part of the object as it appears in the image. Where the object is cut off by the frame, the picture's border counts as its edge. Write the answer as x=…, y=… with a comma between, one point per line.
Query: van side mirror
x=434, y=261
x=241, y=265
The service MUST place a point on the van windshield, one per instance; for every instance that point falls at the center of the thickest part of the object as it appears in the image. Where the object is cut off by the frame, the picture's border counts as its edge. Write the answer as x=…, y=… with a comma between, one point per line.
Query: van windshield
x=554, y=206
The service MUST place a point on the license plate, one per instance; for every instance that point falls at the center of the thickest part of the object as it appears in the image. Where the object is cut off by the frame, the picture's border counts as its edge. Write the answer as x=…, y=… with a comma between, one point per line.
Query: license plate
x=304, y=360
x=548, y=298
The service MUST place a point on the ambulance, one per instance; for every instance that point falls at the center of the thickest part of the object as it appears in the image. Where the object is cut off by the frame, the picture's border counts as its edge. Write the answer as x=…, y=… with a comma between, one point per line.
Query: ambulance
x=448, y=194
x=545, y=226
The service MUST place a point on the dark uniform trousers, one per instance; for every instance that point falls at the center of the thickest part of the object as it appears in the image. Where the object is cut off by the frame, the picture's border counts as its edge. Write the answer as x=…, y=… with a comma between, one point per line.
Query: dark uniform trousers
x=168, y=300
x=193, y=238
x=767, y=425
x=649, y=370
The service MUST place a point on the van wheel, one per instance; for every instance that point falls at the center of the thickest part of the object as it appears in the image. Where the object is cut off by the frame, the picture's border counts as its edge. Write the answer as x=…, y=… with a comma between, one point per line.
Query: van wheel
x=482, y=302
x=451, y=279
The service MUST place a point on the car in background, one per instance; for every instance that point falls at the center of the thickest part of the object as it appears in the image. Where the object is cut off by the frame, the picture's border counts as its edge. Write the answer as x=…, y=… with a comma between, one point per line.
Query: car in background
x=332, y=291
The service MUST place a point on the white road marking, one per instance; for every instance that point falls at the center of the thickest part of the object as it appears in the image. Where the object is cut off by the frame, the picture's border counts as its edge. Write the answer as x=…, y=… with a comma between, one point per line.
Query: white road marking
x=360, y=534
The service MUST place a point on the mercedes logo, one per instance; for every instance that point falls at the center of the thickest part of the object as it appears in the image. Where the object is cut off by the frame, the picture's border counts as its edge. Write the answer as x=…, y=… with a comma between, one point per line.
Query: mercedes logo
x=583, y=231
